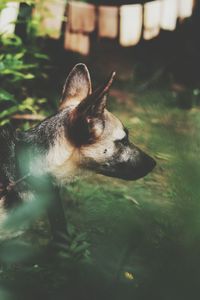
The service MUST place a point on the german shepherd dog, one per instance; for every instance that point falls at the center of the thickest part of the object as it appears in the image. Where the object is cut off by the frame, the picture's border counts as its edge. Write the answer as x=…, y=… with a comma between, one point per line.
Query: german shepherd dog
x=82, y=135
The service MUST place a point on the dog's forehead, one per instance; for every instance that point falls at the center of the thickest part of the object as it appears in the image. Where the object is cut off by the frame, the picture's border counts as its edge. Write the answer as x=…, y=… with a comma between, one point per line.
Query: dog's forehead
x=113, y=127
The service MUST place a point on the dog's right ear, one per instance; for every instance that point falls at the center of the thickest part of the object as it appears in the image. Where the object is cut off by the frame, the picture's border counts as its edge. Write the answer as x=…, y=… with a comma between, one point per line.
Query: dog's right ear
x=77, y=86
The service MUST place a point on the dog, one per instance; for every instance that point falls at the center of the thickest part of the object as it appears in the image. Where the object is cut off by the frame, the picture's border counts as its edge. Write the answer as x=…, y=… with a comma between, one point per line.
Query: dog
x=82, y=136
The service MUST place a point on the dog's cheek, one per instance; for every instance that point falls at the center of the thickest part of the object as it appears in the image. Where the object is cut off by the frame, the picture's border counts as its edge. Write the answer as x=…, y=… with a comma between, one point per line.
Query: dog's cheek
x=83, y=131
x=99, y=152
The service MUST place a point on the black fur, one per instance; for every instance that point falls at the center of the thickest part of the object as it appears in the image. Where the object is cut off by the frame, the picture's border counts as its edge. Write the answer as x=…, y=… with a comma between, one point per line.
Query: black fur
x=43, y=136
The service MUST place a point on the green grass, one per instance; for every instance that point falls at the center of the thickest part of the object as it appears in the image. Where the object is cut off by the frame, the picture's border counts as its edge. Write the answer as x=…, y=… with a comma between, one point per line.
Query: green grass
x=144, y=236
x=149, y=228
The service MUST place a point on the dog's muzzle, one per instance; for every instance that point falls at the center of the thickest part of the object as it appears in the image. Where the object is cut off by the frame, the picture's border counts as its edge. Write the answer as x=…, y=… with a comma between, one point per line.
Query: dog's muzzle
x=138, y=165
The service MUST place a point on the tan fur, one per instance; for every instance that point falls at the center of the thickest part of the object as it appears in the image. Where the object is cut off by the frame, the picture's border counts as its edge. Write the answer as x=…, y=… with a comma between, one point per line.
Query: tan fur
x=113, y=131
x=63, y=161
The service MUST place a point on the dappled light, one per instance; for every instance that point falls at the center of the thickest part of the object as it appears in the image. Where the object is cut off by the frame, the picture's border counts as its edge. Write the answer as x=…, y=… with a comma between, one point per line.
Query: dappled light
x=99, y=149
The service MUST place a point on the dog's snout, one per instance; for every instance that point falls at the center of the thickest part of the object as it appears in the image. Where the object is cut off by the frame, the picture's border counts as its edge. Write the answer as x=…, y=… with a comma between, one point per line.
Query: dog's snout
x=140, y=164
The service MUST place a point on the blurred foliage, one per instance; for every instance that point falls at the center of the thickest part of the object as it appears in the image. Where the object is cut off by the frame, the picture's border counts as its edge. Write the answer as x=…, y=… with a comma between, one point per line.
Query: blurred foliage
x=74, y=245
x=4, y=2
x=22, y=65
x=144, y=236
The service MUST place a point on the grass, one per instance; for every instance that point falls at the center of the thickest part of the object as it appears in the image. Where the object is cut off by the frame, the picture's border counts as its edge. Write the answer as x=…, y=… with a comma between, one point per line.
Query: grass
x=144, y=236
x=148, y=228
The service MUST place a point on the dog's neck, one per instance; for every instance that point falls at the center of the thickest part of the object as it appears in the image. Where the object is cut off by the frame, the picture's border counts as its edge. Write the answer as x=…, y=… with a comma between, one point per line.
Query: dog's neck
x=51, y=153
x=59, y=162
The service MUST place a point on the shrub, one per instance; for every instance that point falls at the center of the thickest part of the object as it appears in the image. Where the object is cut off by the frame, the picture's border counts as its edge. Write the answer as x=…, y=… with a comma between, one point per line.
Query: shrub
x=22, y=66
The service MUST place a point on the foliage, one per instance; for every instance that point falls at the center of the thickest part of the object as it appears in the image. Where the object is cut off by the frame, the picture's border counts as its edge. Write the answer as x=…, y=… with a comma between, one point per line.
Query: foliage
x=22, y=66
x=74, y=245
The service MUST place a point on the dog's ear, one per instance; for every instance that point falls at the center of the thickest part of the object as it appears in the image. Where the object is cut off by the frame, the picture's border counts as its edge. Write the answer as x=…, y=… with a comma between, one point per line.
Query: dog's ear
x=77, y=86
x=94, y=104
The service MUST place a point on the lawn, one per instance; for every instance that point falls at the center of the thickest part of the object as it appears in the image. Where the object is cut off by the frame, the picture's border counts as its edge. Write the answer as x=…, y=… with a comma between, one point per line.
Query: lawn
x=125, y=240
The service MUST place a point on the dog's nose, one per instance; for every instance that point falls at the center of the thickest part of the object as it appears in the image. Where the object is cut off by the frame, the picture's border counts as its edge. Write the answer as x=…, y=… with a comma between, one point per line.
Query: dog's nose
x=147, y=164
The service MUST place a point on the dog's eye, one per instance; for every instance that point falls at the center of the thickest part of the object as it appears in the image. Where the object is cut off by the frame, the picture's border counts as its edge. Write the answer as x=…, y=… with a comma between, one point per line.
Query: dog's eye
x=124, y=141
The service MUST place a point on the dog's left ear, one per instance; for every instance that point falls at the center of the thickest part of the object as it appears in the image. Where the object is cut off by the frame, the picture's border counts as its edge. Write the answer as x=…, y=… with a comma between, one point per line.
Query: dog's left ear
x=77, y=86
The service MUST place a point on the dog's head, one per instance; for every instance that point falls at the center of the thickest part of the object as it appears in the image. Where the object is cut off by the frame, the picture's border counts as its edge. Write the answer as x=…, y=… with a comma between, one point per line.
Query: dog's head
x=99, y=139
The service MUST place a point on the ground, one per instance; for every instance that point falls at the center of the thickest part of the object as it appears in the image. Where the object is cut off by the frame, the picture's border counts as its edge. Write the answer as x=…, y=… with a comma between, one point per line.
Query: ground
x=140, y=240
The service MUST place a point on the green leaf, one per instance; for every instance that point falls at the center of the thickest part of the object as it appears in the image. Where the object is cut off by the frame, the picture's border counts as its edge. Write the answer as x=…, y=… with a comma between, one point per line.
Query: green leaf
x=80, y=237
x=41, y=55
x=19, y=55
x=6, y=96
x=11, y=40
x=9, y=111
x=29, y=76
x=81, y=248
x=4, y=122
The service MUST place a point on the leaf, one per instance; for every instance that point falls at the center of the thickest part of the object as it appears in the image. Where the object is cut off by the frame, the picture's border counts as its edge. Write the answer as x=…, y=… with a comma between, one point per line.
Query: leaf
x=9, y=111
x=6, y=96
x=81, y=247
x=73, y=246
x=80, y=237
x=70, y=229
x=41, y=55
x=29, y=76
x=11, y=40
x=19, y=55
x=4, y=122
